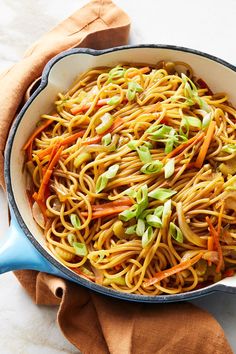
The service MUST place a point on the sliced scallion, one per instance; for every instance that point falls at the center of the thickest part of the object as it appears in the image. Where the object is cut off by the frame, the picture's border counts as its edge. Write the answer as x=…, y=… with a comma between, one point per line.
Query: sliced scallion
x=106, y=122
x=147, y=237
x=114, y=100
x=161, y=194
x=169, y=168
x=80, y=249
x=103, y=178
x=83, y=157
x=152, y=167
x=229, y=148
x=154, y=221
x=106, y=139
x=140, y=229
x=176, y=233
x=133, y=87
x=75, y=221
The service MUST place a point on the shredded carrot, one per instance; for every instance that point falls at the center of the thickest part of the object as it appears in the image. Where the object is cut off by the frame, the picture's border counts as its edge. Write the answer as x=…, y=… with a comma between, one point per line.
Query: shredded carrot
x=70, y=139
x=204, y=148
x=116, y=124
x=192, y=141
x=215, y=235
x=176, y=269
x=105, y=212
x=143, y=70
x=210, y=246
x=48, y=173
x=123, y=201
x=94, y=140
x=37, y=132
x=85, y=107
x=228, y=273
x=41, y=205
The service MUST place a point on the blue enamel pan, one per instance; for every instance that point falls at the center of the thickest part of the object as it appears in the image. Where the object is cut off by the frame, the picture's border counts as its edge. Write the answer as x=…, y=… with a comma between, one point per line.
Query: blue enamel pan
x=24, y=245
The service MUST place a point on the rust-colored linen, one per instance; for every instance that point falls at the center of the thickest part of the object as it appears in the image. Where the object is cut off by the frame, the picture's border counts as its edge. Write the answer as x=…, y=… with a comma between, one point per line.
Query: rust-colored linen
x=93, y=323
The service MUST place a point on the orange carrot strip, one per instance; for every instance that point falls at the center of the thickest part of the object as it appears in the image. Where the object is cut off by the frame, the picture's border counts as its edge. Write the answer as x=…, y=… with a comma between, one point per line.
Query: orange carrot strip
x=94, y=140
x=115, y=125
x=215, y=235
x=48, y=173
x=210, y=246
x=55, y=158
x=41, y=205
x=229, y=273
x=78, y=109
x=176, y=269
x=204, y=148
x=70, y=139
x=195, y=139
x=123, y=201
x=106, y=212
x=85, y=107
x=43, y=185
x=37, y=132
x=143, y=70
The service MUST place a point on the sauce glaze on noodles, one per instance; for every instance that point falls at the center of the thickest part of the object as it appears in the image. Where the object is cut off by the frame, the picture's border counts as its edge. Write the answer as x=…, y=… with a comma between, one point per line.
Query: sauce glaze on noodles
x=132, y=179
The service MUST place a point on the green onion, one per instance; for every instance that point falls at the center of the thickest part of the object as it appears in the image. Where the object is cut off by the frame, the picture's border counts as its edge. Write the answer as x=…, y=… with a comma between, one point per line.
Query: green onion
x=112, y=171
x=161, y=194
x=85, y=156
x=116, y=73
x=128, y=214
x=131, y=193
x=144, y=154
x=169, y=168
x=117, y=280
x=106, y=139
x=189, y=121
x=171, y=141
x=114, y=100
x=147, y=237
x=206, y=120
x=140, y=229
x=75, y=221
x=80, y=249
x=166, y=210
x=103, y=178
x=142, y=200
x=191, y=93
x=133, y=87
x=107, y=121
x=160, y=131
x=133, y=144
x=158, y=211
x=176, y=233
x=152, y=167
x=229, y=148
x=154, y=221
x=71, y=238
x=131, y=230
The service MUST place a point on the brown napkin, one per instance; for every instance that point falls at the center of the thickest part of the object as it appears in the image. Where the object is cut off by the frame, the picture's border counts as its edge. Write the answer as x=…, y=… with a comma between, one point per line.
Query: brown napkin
x=93, y=323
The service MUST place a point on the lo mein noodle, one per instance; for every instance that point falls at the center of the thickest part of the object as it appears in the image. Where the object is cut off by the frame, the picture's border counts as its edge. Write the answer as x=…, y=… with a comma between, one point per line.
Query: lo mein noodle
x=133, y=179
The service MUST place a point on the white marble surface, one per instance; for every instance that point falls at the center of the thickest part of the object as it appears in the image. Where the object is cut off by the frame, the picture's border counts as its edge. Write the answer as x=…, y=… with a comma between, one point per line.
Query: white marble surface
x=207, y=25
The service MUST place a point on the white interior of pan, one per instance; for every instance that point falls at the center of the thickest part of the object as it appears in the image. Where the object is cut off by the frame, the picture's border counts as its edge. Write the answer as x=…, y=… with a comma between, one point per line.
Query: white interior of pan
x=62, y=75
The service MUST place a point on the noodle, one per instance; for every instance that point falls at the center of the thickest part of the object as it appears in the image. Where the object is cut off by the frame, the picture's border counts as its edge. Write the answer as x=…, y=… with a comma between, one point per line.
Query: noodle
x=133, y=179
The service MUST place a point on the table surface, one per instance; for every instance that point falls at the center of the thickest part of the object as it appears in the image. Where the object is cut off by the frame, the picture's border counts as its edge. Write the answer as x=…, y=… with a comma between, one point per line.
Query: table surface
x=204, y=25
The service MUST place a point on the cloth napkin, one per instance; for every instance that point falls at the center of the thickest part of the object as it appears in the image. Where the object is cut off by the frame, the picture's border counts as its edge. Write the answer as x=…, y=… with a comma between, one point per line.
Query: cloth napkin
x=93, y=323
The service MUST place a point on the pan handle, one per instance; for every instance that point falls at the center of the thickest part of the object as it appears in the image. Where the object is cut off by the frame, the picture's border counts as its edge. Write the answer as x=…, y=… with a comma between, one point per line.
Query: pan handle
x=17, y=252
